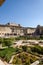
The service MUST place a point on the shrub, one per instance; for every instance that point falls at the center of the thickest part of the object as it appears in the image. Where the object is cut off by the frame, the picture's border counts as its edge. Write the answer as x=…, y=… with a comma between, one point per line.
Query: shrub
x=7, y=53
x=37, y=49
x=24, y=48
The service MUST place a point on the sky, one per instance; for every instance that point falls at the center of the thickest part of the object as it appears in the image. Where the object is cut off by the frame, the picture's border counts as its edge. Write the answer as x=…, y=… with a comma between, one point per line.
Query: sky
x=28, y=13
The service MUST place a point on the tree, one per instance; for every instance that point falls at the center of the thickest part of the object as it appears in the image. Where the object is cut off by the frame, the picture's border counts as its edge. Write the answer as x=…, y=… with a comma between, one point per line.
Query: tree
x=7, y=42
x=1, y=40
x=1, y=2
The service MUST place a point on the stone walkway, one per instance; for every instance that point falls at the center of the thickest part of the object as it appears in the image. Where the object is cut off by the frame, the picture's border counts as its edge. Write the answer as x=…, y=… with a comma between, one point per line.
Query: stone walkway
x=35, y=63
x=1, y=62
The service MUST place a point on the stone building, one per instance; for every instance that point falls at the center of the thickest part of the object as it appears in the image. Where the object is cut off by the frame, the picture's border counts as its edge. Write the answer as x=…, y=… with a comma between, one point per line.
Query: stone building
x=39, y=31
x=30, y=31
x=12, y=30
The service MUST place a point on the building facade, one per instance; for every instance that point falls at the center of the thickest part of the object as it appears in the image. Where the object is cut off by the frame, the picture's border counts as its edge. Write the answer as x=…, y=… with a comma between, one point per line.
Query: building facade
x=39, y=31
x=13, y=30
x=10, y=30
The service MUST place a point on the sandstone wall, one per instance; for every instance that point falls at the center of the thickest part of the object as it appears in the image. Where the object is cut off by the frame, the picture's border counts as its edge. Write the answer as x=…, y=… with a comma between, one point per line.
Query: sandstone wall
x=30, y=31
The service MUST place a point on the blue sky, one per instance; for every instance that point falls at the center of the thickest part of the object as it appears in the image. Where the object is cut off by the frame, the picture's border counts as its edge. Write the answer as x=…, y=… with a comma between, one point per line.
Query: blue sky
x=28, y=13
